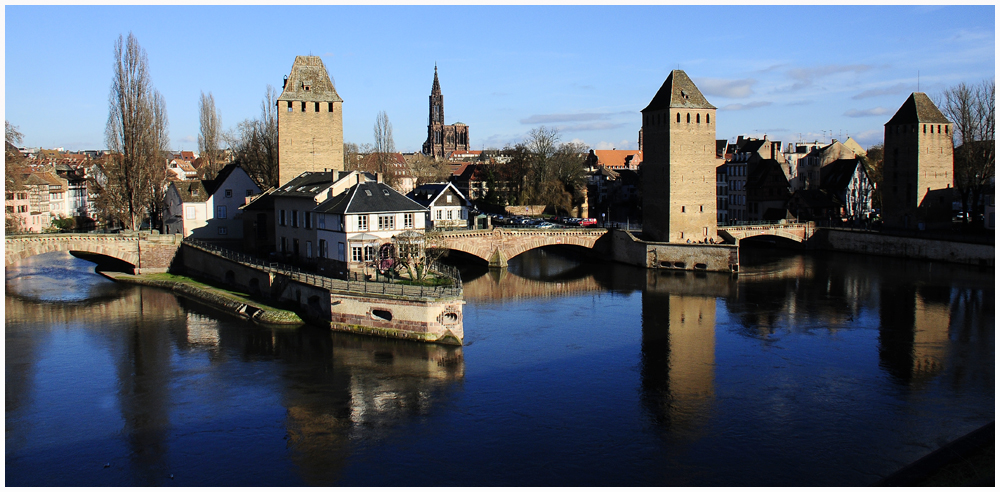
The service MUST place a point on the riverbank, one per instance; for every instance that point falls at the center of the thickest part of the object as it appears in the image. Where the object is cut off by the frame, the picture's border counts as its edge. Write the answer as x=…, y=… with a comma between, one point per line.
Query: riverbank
x=968, y=461
x=235, y=303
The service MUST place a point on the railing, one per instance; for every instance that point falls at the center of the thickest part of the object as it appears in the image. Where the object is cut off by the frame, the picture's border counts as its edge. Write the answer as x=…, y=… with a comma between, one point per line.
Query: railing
x=757, y=223
x=362, y=285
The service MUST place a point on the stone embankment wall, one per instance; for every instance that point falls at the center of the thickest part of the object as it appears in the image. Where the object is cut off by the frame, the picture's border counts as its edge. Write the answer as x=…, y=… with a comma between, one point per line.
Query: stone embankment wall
x=389, y=315
x=873, y=243
x=217, y=299
x=626, y=248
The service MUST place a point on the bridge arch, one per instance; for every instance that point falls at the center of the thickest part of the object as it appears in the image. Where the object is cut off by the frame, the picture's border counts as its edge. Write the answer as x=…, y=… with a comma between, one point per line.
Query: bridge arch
x=21, y=247
x=144, y=251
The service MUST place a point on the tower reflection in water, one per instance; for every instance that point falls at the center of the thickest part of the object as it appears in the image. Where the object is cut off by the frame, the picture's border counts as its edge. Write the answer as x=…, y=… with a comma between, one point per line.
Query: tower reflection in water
x=189, y=381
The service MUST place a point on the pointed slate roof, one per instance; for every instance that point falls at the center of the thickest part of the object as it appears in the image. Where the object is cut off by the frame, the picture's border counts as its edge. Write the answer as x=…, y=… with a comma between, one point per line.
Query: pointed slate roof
x=309, y=81
x=835, y=176
x=678, y=91
x=918, y=108
x=369, y=197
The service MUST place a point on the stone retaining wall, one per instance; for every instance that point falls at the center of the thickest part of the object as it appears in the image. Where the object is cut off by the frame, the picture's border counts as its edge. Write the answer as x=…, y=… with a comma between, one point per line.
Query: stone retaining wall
x=874, y=243
x=626, y=248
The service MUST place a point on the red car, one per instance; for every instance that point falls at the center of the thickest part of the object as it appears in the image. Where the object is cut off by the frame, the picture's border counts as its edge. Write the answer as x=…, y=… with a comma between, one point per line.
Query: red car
x=587, y=222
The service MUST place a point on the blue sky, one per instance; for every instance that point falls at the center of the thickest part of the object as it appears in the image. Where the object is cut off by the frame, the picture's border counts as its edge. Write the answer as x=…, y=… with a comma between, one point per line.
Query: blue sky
x=789, y=72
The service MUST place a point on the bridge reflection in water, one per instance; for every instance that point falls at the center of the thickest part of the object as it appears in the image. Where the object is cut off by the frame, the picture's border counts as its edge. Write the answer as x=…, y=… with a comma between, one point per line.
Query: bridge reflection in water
x=916, y=310
x=154, y=366
x=172, y=382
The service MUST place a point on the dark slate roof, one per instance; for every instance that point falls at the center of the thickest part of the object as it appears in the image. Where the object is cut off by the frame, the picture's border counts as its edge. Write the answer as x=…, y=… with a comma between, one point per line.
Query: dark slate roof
x=308, y=184
x=213, y=185
x=369, y=197
x=425, y=194
x=309, y=71
x=752, y=146
x=263, y=202
x=918, y=108
x=678, y=91
x=191, y=191
x=835, y=176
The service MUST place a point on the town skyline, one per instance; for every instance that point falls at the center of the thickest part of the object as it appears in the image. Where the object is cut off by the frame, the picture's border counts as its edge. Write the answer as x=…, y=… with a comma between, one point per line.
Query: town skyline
x=585, y=71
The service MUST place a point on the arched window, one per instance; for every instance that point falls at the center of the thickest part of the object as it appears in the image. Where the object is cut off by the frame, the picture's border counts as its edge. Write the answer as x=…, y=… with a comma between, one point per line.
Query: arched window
x=708, y=118
x=697, y=118
x=678, y=117
x=925, y=128
x=689, y=118
x=939, y=129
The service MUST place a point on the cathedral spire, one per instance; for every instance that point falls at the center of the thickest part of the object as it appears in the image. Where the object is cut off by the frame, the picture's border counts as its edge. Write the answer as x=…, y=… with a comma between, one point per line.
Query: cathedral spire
x=436, y=88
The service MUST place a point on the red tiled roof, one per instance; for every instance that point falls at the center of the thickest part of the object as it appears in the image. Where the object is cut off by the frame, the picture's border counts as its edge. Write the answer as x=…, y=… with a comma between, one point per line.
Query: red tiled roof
x=619, y=159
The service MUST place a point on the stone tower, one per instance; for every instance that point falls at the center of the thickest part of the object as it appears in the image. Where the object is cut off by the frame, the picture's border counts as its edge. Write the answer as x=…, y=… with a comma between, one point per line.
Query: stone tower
x=679, y=164
x=310, y=121
x=918, y=167
x=442, y=139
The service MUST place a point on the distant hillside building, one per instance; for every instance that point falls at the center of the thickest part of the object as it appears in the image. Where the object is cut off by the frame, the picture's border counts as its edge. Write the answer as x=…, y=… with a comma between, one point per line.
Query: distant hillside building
x=679, y=163
x=918, y=168
x=443, y=140
x=310, y=121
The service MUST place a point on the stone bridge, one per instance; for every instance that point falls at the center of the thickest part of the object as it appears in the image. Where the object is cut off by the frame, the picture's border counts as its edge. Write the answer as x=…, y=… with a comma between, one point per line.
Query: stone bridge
x=798, y=232
x=146, y=252
x=499, y=245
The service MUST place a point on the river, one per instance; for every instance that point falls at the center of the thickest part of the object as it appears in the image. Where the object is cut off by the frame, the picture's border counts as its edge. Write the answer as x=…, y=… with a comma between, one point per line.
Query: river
x=805, y=370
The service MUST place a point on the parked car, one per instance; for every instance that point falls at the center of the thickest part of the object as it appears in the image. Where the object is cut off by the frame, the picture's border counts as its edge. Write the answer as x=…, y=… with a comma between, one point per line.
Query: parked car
x=588, y=222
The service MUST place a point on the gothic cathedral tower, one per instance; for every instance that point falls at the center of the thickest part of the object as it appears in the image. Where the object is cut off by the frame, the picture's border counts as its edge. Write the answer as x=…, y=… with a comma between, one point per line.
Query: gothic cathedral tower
x=442, y=139
x=679, y=164
x=310, y=121
x=918, y=167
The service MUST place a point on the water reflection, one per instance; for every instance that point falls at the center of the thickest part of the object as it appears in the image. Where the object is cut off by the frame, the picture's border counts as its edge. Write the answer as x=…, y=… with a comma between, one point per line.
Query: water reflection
x=812, y=369
x=334, y=388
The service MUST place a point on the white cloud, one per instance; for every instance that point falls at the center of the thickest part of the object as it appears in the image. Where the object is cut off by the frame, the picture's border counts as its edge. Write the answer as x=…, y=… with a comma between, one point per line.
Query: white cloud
x=896, y=89
x=570, y=117
x=622, y=144
x=741, y=107
x=861, y=113
x=805, y=77
x=726, y=88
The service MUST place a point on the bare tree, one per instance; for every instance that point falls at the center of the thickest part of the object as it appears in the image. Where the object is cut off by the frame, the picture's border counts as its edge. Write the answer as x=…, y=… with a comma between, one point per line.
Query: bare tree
x=136, y=135
x=355, y=156
x=541, y=145
x=566, y=180
x=429, y=170
x=254, y=143
x=14, y=170
x=383, y=154
x=971, y=109
x=210, y=137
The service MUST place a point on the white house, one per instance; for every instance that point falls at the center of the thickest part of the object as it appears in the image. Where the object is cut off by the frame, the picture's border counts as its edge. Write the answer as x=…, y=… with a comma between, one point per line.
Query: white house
x=295, y=224
x=448, y=207
x=209, y=209
x=847, y=180
x=352, y=226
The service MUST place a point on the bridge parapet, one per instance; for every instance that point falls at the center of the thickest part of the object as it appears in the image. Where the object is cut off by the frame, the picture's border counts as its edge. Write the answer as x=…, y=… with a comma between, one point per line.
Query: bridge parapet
x=799, y=232
x=498, y=245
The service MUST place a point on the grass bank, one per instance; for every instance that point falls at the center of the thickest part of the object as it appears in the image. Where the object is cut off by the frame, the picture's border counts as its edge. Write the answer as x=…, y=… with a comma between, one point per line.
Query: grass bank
x=235, y=303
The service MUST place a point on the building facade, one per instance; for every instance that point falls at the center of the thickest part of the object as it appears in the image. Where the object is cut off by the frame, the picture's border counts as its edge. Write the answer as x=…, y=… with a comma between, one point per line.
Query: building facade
x=918, y=169
x=310, y=121
x=679, y=163
x=443, y=140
